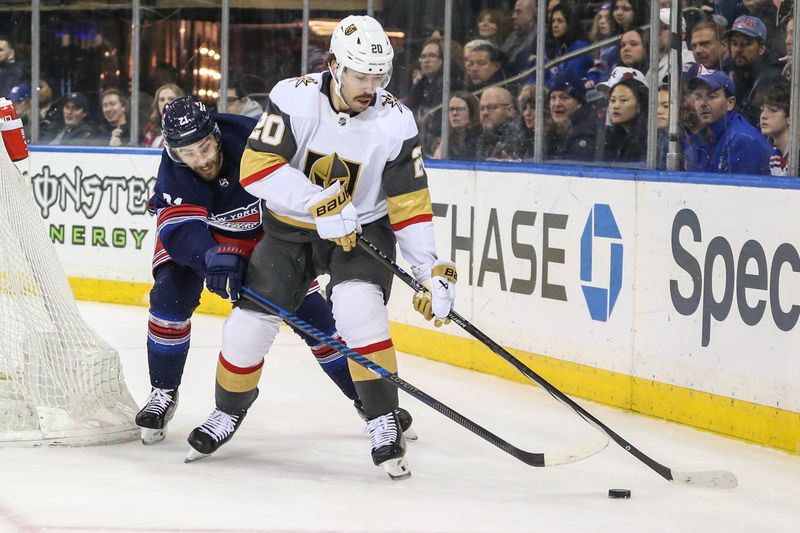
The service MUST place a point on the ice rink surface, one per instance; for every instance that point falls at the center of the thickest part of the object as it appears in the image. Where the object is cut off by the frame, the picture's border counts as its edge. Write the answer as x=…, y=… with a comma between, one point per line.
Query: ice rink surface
x=300, y=462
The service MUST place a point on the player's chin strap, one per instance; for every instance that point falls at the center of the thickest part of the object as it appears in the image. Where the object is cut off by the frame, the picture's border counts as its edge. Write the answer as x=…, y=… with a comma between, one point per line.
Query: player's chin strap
x=716, y=478
x=337, y=82
x=558, y=457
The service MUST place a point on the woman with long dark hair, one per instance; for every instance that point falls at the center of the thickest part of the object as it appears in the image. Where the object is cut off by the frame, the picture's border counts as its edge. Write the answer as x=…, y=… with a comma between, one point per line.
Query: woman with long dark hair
x=563, y=30
x=626, y=137
x=628, y=14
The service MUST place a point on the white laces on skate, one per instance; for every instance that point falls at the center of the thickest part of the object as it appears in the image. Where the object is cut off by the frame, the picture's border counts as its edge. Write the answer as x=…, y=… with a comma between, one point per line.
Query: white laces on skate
x=158, y=401
x=219, y=425
x=382, y=430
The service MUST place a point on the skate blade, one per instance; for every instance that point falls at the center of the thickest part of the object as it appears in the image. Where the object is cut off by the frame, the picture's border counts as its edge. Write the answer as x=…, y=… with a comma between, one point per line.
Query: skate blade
x=397, y=469
x=194, y=455
x=410, y=434
x=153, y=436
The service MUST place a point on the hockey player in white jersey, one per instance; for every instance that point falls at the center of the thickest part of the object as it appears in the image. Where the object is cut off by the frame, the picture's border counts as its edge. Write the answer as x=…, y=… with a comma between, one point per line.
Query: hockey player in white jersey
x=333, y=155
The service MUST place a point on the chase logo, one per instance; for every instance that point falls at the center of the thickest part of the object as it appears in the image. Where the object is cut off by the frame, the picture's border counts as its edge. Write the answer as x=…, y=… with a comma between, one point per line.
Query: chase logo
x=601, y=231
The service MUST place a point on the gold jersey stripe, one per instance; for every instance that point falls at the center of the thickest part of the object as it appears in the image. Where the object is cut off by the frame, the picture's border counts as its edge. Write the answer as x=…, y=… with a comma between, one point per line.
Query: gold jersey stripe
x=385, y=358
x=293, y=221
x=409, y=205
x=255, y=162
x=233, y=382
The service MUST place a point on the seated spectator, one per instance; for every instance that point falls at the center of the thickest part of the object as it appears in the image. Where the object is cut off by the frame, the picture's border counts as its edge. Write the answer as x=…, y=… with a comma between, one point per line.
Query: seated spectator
x=754, y=65
x=239, y=103
x=728, y=143
x=710, y=47
x=767, y=12
x=787, y=59
x=662, y=121
x=316, y=61
x=562, y=38
x=664, y=38
x=527, y=112
x=152, y=129
x=774, y=103
x=51, y=114
x=115, y=129
x=20, y=96
x=501, y=139
x=605, y=57
x=427, y=91
x=634, y=50
x=77, y=130
x=492, y=25
x=484, y=66
x=572, y=134
x=629, y=14
x=627, y=109
x=520, y=46
x=465, y=127
x=12, y=73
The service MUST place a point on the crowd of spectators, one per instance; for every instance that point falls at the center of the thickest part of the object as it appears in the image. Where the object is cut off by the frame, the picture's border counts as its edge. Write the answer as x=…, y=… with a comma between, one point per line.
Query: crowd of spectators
x=735, y=63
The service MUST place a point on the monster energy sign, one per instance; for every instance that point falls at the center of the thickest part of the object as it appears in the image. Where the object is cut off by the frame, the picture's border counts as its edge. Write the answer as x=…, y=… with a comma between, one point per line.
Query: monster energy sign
x=103, y=201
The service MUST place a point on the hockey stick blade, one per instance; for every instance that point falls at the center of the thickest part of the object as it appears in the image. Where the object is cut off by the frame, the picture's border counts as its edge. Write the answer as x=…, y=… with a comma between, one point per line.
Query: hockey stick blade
x=538, y=459
x=711, y=479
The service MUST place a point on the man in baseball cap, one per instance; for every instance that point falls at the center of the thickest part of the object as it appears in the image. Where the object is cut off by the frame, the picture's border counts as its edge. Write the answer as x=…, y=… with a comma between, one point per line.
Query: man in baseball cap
x=727, y=143
x=77, y=130
x=754, y=63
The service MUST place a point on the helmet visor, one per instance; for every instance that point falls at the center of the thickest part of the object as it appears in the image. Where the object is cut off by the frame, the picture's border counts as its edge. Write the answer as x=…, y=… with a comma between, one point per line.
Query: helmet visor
x=196, y=154
x=360, y=83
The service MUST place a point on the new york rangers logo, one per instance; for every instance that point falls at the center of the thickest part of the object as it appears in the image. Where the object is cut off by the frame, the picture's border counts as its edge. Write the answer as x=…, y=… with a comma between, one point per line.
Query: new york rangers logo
x=240, y=219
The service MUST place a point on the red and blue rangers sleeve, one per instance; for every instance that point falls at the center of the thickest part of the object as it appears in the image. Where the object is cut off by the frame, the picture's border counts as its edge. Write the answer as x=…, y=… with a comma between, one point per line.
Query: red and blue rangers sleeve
x=181, y=203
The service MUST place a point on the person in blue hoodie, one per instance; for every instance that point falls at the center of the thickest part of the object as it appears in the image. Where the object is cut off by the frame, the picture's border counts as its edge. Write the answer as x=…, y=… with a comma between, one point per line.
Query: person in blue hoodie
x=728, y=143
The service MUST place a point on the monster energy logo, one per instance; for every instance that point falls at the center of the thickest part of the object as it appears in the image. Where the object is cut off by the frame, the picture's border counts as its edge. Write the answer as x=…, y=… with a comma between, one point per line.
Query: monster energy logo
x=88, y=194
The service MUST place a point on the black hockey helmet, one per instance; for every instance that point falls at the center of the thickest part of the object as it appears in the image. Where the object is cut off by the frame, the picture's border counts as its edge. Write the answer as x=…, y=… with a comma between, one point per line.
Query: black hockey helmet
x=186, y=121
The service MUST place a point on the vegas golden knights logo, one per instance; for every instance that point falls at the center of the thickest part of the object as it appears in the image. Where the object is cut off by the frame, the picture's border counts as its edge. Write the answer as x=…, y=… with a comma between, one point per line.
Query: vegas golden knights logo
x=324, y=169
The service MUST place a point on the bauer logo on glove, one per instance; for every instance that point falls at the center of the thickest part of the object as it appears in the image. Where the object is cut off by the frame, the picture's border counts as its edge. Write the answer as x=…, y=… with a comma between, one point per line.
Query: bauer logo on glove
x=436, y=301
x=335, y=216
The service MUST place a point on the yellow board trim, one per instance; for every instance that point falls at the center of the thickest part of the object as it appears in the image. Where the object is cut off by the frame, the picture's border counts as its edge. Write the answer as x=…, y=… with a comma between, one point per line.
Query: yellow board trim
x=777, y=428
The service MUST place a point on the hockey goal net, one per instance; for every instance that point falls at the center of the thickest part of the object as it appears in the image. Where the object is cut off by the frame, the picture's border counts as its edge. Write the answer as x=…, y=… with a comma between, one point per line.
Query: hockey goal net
x=60, y=383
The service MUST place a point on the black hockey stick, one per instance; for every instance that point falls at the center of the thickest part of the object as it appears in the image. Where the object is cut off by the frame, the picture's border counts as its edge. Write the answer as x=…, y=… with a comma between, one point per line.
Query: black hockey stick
x=713, y=478
x=529, y=458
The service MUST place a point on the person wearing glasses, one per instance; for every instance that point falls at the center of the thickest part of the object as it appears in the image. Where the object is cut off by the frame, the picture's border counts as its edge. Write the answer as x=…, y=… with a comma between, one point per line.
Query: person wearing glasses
x=426, y=93
x=501, y=139
x=464, y=127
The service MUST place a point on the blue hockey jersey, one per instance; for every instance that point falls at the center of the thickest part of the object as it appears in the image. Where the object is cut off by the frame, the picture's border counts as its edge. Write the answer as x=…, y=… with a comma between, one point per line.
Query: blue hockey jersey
x=194, y=214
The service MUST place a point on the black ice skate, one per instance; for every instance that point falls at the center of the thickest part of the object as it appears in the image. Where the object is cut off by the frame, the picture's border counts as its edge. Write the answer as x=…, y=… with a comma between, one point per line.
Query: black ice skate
x=403, y=416
x=156, y=414
x=388, y=446
x=213, y=433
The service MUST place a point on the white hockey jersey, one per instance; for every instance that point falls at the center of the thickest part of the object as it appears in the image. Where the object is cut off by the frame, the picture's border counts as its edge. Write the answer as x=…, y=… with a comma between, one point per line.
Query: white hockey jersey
x=302, y=144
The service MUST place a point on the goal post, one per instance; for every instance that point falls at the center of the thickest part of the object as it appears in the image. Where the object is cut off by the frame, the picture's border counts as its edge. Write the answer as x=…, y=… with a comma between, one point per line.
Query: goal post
x=60, y=382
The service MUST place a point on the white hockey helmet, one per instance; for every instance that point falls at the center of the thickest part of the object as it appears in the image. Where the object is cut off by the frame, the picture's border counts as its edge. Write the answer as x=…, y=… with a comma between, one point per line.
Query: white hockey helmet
x=360, y=44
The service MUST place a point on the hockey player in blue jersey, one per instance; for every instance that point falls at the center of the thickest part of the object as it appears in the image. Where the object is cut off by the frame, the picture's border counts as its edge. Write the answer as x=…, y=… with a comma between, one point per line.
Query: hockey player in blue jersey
x=208, y=226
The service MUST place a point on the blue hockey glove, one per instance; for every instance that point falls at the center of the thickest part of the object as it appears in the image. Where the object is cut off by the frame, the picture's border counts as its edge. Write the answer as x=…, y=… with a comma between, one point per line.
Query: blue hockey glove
x=225, y=268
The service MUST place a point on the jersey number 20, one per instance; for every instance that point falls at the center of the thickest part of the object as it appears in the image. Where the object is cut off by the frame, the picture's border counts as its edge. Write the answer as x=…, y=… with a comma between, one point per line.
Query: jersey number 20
x=269, y=130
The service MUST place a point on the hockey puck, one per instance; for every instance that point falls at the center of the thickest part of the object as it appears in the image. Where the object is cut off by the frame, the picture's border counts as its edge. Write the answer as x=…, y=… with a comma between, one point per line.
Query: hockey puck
x=619, y=494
